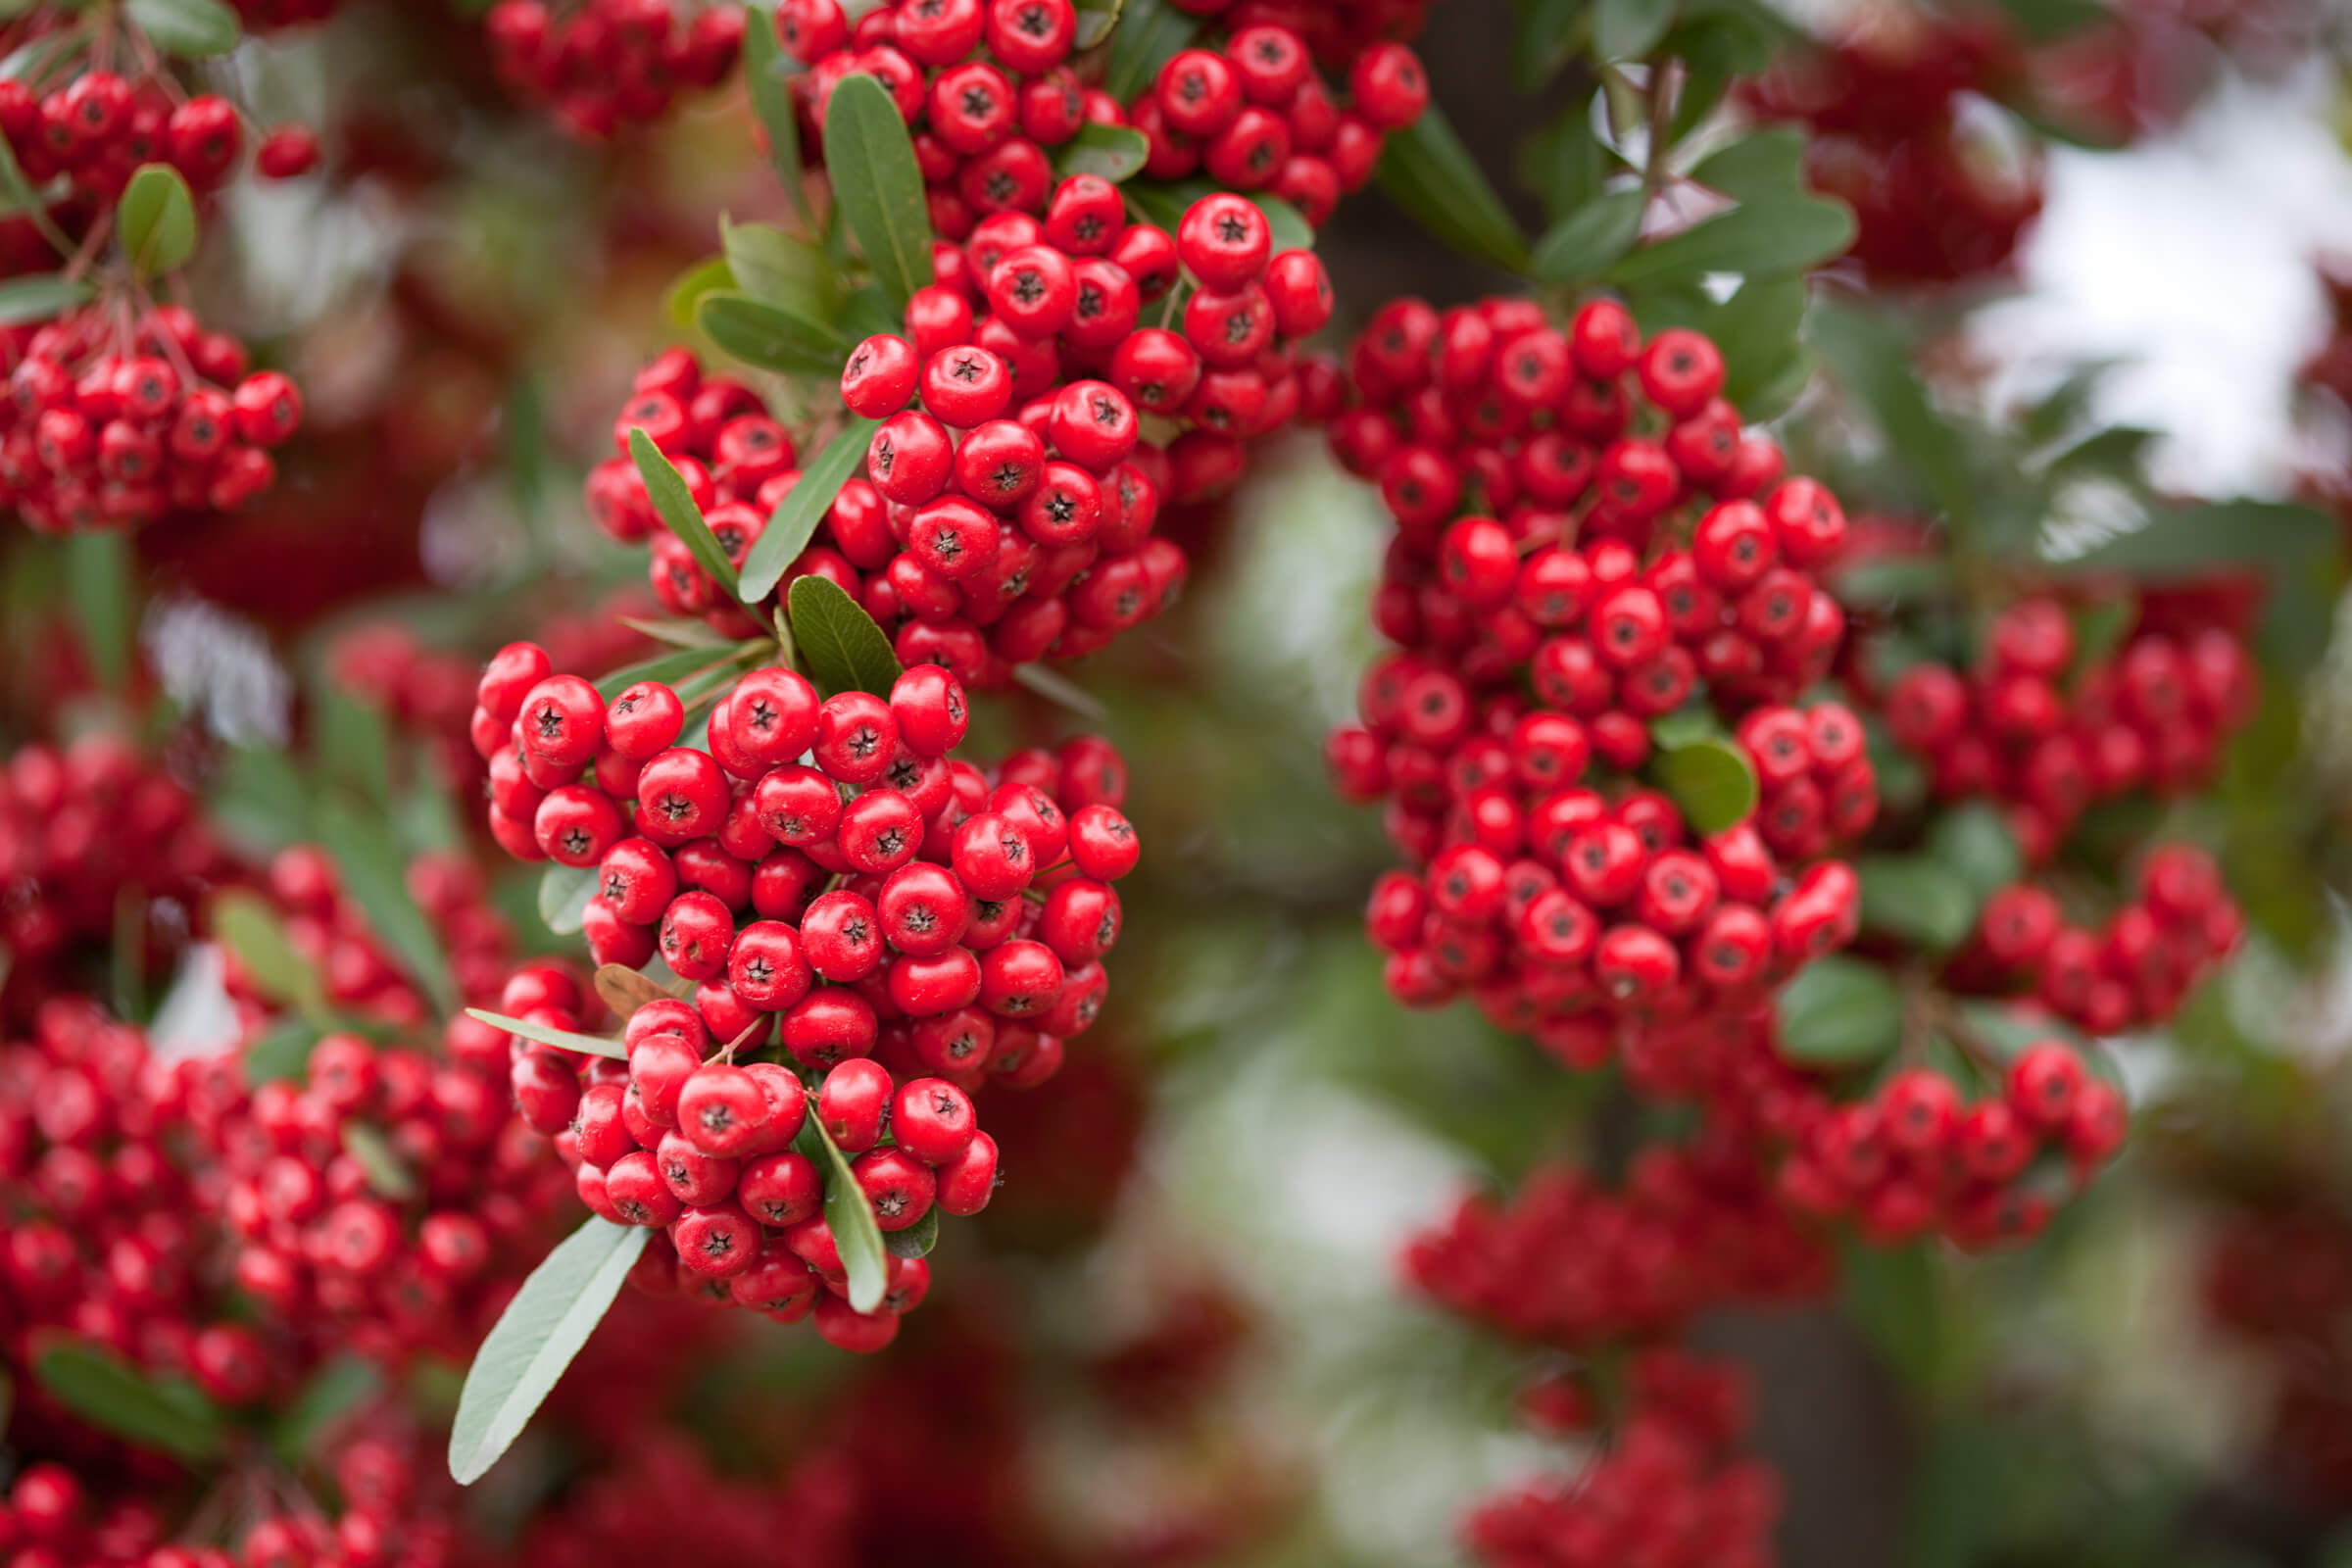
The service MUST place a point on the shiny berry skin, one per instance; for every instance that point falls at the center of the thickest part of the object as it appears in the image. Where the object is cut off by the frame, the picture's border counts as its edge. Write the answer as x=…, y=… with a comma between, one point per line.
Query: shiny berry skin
x=850, y=1102
x=900, y=1188
x=767, y=967
x=966, y=1183
x=644, y=719
x=563, y=722
x=772, y=718
x=721, y=1110
x=879, y=379
x=856, y=737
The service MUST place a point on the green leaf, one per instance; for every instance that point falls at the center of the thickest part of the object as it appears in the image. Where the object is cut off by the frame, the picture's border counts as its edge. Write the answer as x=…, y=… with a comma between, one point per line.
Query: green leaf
x=1973, y=842
x=1096, y=20
x=1629, y=30
x=248, y=926
x=850, y=1216
x=670, y=668
x=703, y=277
x=916, y=1239
x=262, y=799
x=192, y=30
x=770, y=336
x=1149, y=35
x=1429, y=174
x=797, y=516
x=1548, y=38
x=535, y=1338
x=1765, y=163
x=1056, y=687
x=1759, y=239
x=843, y=647
x=353, y=745
x=1872, y=365
x=1917, y=899
x=41, y=296
x=675, y=503
x=111, y=1394
x=334, y=1392
x=374, y=877
x=764, y=73
x=425, y=814
x=1711, y=780
x=877, y=187
x=283, y=1055
x=1839, y=1012
x=560, y=1038
x=679, y=633
x=767, y=261
x=1114, y=152
x=97, y=571
x=1583, y=245
x=563, y=895
x=156, y=220
x=1757, y=332
x=388, y=1173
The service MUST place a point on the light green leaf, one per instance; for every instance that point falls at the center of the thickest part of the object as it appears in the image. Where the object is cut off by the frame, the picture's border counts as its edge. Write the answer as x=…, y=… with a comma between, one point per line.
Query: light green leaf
x=1149, y=35
x=560, y=1038
x=877, y=187
x=374, y=878
x=703, y=277
x=1712, y=780
x=247, y=926
x=850, y=1216
x=1839, y=1012
x=535, y=1338
x=764, y=73
x=98, y=568
x=1973, y=840
x=845, y=651
x=156, y=220
x=563, y=895
x=41, y=297
x=283, y=1055
x=111, y=1394
x=388, y=1174
x=1095, y=19
x=797, y=516
x=1114, y=152
x=1759, y=239
x=1629, y=30
x=675, y=505
x=1583, y=245
x=353, y=745
x=192, y=30
x=771, y=336
x=767, y=261
x=1919, y=899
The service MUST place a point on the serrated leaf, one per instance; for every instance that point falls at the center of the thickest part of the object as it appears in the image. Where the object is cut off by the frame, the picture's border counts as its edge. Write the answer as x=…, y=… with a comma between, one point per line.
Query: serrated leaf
x=535, y=1338
x=111, y=1394
x=283, y=1055
x=705, y=276
x=877, y=185
x=156, y=220
x=764, y=62
x=1114, y=152
x=797, y=516
x=192, y=30
x=248, y=926
x=1919, y=899
x=41, y=297
x=675, y=505
x=850, y=1216
x=560, y=1038
x=97, y=572
x=1429, y=174
x=563, y=895
x=916, y=1239
x=375, y=879
x=1584, y=244
x=844, y=649
x=388, y=1174
x=1149, y=35
x=1838, y=1014
x=1712, y=780
x=1629, y=30
x=770, y=336
x=1974, y=843
x=1095, y=19
x=333, y=1392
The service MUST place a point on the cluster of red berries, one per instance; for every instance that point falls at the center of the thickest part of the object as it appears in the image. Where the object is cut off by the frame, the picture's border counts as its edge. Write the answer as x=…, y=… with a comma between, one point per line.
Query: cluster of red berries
x=1255, y=116
x=110, y=426
x=2277, y=1282
x=605, y=66
x=2050, y=740
x=81, y=827
x=1692, y=1230
x=2132, y=972
x=1336, y=30
x=1935, y=199
x=1666, y=1493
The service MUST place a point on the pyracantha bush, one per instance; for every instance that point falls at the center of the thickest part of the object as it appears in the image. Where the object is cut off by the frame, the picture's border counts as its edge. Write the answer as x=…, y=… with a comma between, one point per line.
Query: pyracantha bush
x=602, y=66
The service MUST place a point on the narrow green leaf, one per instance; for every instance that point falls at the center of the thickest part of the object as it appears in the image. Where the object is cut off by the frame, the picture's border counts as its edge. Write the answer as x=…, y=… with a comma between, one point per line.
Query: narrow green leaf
x=1973, y=840
x=1839, y=1012
x=375, y=876
x=98, y=570
x=283, y=1055
x=675, y=503
x=679, y=633
x=1919, y=899
x=262, y=799
x=1711, y=780
x=843, y=647
x=850, y=1216
x=110, y=1392
x=877, y=187
x=1095, y=19
x=192, y=30
x=668, y=668
x=560, y=1038
x=354, y=745
x=1770, y=162
x=563, y=895
x=1629, y=30
x=156, y=219
x=703, y=277
x=535, y=1338
x=916, y=1239
x=764, y=73
x=772, y=337
x=1149, y=35
x=41, y=296
x=1872, y=365
x=1583, y=245
x=1114, y=152
x=1548, y=38
x=774, y=266
x=1429, y=174
x=425, y=814
x=1057, y=687
x=1759, y=238
x=388, y=1174
x=797, y=516
x=248, y=926
x=335, y=1390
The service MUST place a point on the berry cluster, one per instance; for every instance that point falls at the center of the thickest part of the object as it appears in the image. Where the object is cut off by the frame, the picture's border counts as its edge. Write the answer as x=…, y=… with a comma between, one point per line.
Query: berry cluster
x=605, y=66
x=1667, y=1493
x=1336, y=30
x=1255, y=116
x=109, y=423
x=1935, y=199
x=2277, y=1283
x=82, y=829
x=2051, y=733
x=2132, y=971
x=1615, y=588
